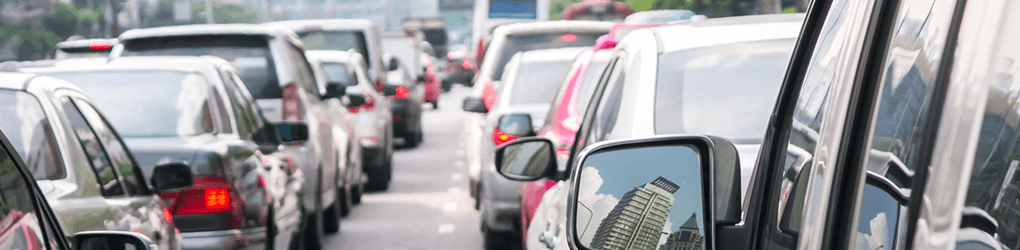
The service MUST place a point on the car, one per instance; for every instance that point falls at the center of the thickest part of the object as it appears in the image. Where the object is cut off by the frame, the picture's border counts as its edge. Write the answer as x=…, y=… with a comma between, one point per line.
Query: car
x=908, y=148
x=204, y=117
x=80, y=162
x=373, y=121
x=506, y=41
x=531, y=80
x=30, y=223
x=83, y=48
x=459, y=68
x=270, y=61
x=359, y=34
x=661, y=16
x=687, y=87
x=431, y=80
x=407, y=95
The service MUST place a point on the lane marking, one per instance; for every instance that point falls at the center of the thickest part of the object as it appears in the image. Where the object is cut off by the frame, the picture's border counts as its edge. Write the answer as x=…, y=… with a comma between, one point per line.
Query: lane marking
x=449, y=207
x=453, y=190
x=456, y=177
x=460, y=153
x=459, y=164
x=446, y=228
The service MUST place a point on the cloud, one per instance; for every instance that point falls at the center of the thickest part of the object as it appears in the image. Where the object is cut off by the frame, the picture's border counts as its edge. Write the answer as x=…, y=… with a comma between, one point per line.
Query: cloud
x=600, y=204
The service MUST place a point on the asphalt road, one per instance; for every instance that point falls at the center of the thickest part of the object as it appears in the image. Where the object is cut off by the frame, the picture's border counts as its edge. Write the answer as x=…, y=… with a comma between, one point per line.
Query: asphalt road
x=427, y=205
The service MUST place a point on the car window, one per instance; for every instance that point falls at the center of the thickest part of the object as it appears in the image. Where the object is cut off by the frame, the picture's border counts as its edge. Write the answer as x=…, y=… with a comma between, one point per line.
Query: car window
x=536, y=82
x=109, y=182
x=118, y=154
x=29, y=131
x=524, y=42
x=696, y=88
x=900, y=121
x=338, y=72
x=572, y=75
x=22, y=226
x=249, y=55
x=994, y=188
x=608, y=106
x=342, y=40
x=244, y=111
x=303, y=69
x=588, y=84
x=134, y=100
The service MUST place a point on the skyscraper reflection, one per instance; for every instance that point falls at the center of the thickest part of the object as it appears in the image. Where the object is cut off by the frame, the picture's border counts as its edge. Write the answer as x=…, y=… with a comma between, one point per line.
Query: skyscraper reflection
x=636, y=221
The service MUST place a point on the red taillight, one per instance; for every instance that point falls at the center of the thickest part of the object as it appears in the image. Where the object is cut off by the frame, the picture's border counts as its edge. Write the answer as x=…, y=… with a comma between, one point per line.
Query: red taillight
x=466, y=64
x=568, y=37
x=209, y=195
x=99, y=45
x=167, y=216
x=262, y=182
x=449, y=57
x=489, y=95
x=500, y=138
x=401, y=92
x=216, y=198
x=378, y=85
x=291, y=103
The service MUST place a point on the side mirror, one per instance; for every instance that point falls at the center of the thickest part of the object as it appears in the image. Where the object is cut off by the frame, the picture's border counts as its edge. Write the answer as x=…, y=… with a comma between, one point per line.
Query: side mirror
x=291, y=132
x=334, y=90
x=169, y=177
x=516, y=124
x=527, y=159
x=475, y=104
x=354, y=100
x=113, y=240
x=393, y=64
x=678, y=186
x=421, y=78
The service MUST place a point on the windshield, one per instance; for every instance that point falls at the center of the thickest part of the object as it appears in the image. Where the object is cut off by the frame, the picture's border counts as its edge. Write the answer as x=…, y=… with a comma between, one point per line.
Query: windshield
x=525, y=42
x=536, y=82
x=28, y=130
x=149, y=103
x=335, y=40
x=726, y=90
x=249, y=55
x=588, y=84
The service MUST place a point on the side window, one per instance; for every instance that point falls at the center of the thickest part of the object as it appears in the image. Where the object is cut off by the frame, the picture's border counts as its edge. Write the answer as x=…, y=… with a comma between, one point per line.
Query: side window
x=994, y=188
x=900, y=120
x=109, y=183
x=22, y=227
x=609, y=105
x=221, y=110
x=118, y=154
x=303, y=70
x=240, y=102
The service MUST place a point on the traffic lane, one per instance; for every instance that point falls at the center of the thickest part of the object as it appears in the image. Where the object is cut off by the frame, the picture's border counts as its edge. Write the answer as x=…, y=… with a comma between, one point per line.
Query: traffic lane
x=427, y=205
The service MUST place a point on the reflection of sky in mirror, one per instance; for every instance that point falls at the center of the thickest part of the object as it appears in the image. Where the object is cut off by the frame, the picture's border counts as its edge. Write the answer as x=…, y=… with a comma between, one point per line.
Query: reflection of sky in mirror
x=620, y=171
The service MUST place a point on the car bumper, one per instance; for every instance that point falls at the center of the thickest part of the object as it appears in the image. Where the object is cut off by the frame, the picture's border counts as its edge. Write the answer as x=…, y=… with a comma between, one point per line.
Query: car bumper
x=501, y=215
x=249, y=238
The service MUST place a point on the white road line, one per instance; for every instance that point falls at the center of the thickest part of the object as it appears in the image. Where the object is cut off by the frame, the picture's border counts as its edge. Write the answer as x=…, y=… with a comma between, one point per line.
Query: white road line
x=460, y=153
x=459, y=164
x=456, y=177
x=449, y=207
x=453, y=190
x=446, y=228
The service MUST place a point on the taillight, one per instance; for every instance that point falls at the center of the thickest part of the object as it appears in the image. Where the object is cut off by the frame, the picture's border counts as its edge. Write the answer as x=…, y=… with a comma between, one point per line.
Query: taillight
x=449, y=57
x=216, y=198
x=466, y=64
x=489, y=95
x=208, y=196
x=291, y=103
x=401, y=92
x=262, y=182
x=378, y=85
x=167, y=216
x=568, y=37
x=99, y=45
x=499, y=138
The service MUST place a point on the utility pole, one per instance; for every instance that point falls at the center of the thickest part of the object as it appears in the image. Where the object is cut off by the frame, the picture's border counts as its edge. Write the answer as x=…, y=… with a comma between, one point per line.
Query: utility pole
x=209, y=12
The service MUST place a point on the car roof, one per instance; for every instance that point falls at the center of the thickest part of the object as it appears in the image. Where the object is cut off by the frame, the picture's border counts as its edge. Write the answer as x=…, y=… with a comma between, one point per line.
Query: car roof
x=550, y=26
x=84, y=43
x=728, y=30
x=545, y=55
x=327, y=24
x=161, y=63
x=329, y=55
x=206, y=29
x=15, y=80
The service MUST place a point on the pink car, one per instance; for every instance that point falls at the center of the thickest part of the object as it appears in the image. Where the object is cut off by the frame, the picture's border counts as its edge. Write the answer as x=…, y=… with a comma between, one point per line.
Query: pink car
x=431, y=82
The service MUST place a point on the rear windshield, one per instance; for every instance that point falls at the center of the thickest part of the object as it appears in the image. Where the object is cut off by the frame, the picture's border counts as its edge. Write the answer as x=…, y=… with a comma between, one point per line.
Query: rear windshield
x=26, y=126
x=725, y=90
x=525, y=42
x=536, y=83
x=337, y=72
x=587, y=88
x=149, y=103
x=248, y=54
x=335, y=40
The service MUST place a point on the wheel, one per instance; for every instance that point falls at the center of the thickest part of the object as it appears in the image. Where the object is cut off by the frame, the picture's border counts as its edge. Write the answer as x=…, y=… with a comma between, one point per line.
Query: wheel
x=413, y=140
x=346, y=204
x=313, y=234
x=356, y=193
x=271, y=230
x=297, y=242
x=331, y=217
x=435, y=104
x=379, y=179
x=498, y=240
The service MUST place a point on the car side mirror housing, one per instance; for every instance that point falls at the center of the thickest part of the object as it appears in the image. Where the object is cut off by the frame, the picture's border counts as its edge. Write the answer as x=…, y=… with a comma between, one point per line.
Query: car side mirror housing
x=334, y=90
x=475, y=104
x=291, y=132
x=516, y=124
x=354, y=100
x=526, y=159
x=675, y=185
x=113, y=240
x=169, y=177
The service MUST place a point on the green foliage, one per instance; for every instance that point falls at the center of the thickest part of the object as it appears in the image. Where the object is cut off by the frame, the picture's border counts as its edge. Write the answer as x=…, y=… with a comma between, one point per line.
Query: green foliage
x=32, y=45
x=791, y=9
x=222, y=13
x=67, y=20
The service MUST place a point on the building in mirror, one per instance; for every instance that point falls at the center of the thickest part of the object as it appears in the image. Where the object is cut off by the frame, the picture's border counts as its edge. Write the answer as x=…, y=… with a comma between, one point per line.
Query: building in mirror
x=687, y=238
x=637, y=221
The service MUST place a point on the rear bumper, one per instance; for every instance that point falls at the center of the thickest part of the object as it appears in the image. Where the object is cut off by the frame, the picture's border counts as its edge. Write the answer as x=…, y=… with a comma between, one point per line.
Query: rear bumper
x=248, y=238
x=406, y=117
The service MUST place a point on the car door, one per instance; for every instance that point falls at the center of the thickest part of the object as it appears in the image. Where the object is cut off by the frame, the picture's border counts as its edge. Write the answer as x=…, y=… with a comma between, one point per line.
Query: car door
x=138, y=209
x=27, y=223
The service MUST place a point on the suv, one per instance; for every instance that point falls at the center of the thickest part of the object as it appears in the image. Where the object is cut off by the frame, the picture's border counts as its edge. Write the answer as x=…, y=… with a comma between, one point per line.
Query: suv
x=895, y=128
x=270, y=60
x=342, y=35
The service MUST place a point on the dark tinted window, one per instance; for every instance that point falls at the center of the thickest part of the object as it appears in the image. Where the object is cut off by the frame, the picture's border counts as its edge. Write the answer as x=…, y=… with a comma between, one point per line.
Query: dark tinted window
x=436, y=37
x=536, y=82
x=22, y=225
x=248, y=54
x=29, y=131
x=525, y=42
x=118, y=154
x=609, y=105
x=109, y=183
x=588, y=84
x=725, y=90
x=335, y=40
x=338, y=72
x=149, y=103
x=245, y=113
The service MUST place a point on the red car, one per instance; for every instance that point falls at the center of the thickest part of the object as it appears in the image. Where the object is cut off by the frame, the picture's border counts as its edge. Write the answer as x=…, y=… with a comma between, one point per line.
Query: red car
x=432, y=83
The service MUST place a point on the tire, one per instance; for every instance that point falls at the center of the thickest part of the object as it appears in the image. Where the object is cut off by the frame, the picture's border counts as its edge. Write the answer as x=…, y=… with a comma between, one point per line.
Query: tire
x=271, y=230
x=331, y=217
x=313, y=234
x=346, y=204
x=435, y=104
x=413, y=140
x=379, y=180
x=297, y=242
x=498, y=240
x=356, y=193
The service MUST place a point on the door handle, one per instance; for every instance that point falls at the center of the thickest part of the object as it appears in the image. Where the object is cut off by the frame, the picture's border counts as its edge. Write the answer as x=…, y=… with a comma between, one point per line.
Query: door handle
x=548, y=239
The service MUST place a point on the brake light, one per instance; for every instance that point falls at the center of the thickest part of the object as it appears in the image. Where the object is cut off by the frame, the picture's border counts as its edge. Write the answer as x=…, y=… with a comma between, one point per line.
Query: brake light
x=401, y=92
x=466, y=64
x=216, y=198
x=291, y=103
x=262, y=182
x=489, y=95
x=378, y=85
x=449, y=57
x=501, y=138
x=568, y=37
x=166, y=215
x=99, y=45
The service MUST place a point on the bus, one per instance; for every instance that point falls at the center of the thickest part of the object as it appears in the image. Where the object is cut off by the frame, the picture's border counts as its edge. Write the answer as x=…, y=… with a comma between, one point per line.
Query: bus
x=492, y=13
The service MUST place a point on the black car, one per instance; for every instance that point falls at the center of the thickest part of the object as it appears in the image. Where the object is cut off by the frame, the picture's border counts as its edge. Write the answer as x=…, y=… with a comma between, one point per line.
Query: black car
x=197, y=110
x=407, y=94
x=459, y=69
x=29, y=222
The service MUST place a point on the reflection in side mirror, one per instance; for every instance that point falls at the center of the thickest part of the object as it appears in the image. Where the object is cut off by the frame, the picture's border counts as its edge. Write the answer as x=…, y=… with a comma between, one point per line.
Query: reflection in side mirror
x=648, y=193
x=334, y=90
x=113, y=240
x=292, y=132
x=527, y=159
x=354, y=100
x=169, y=177
x=475, y=104
x=517, y=124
